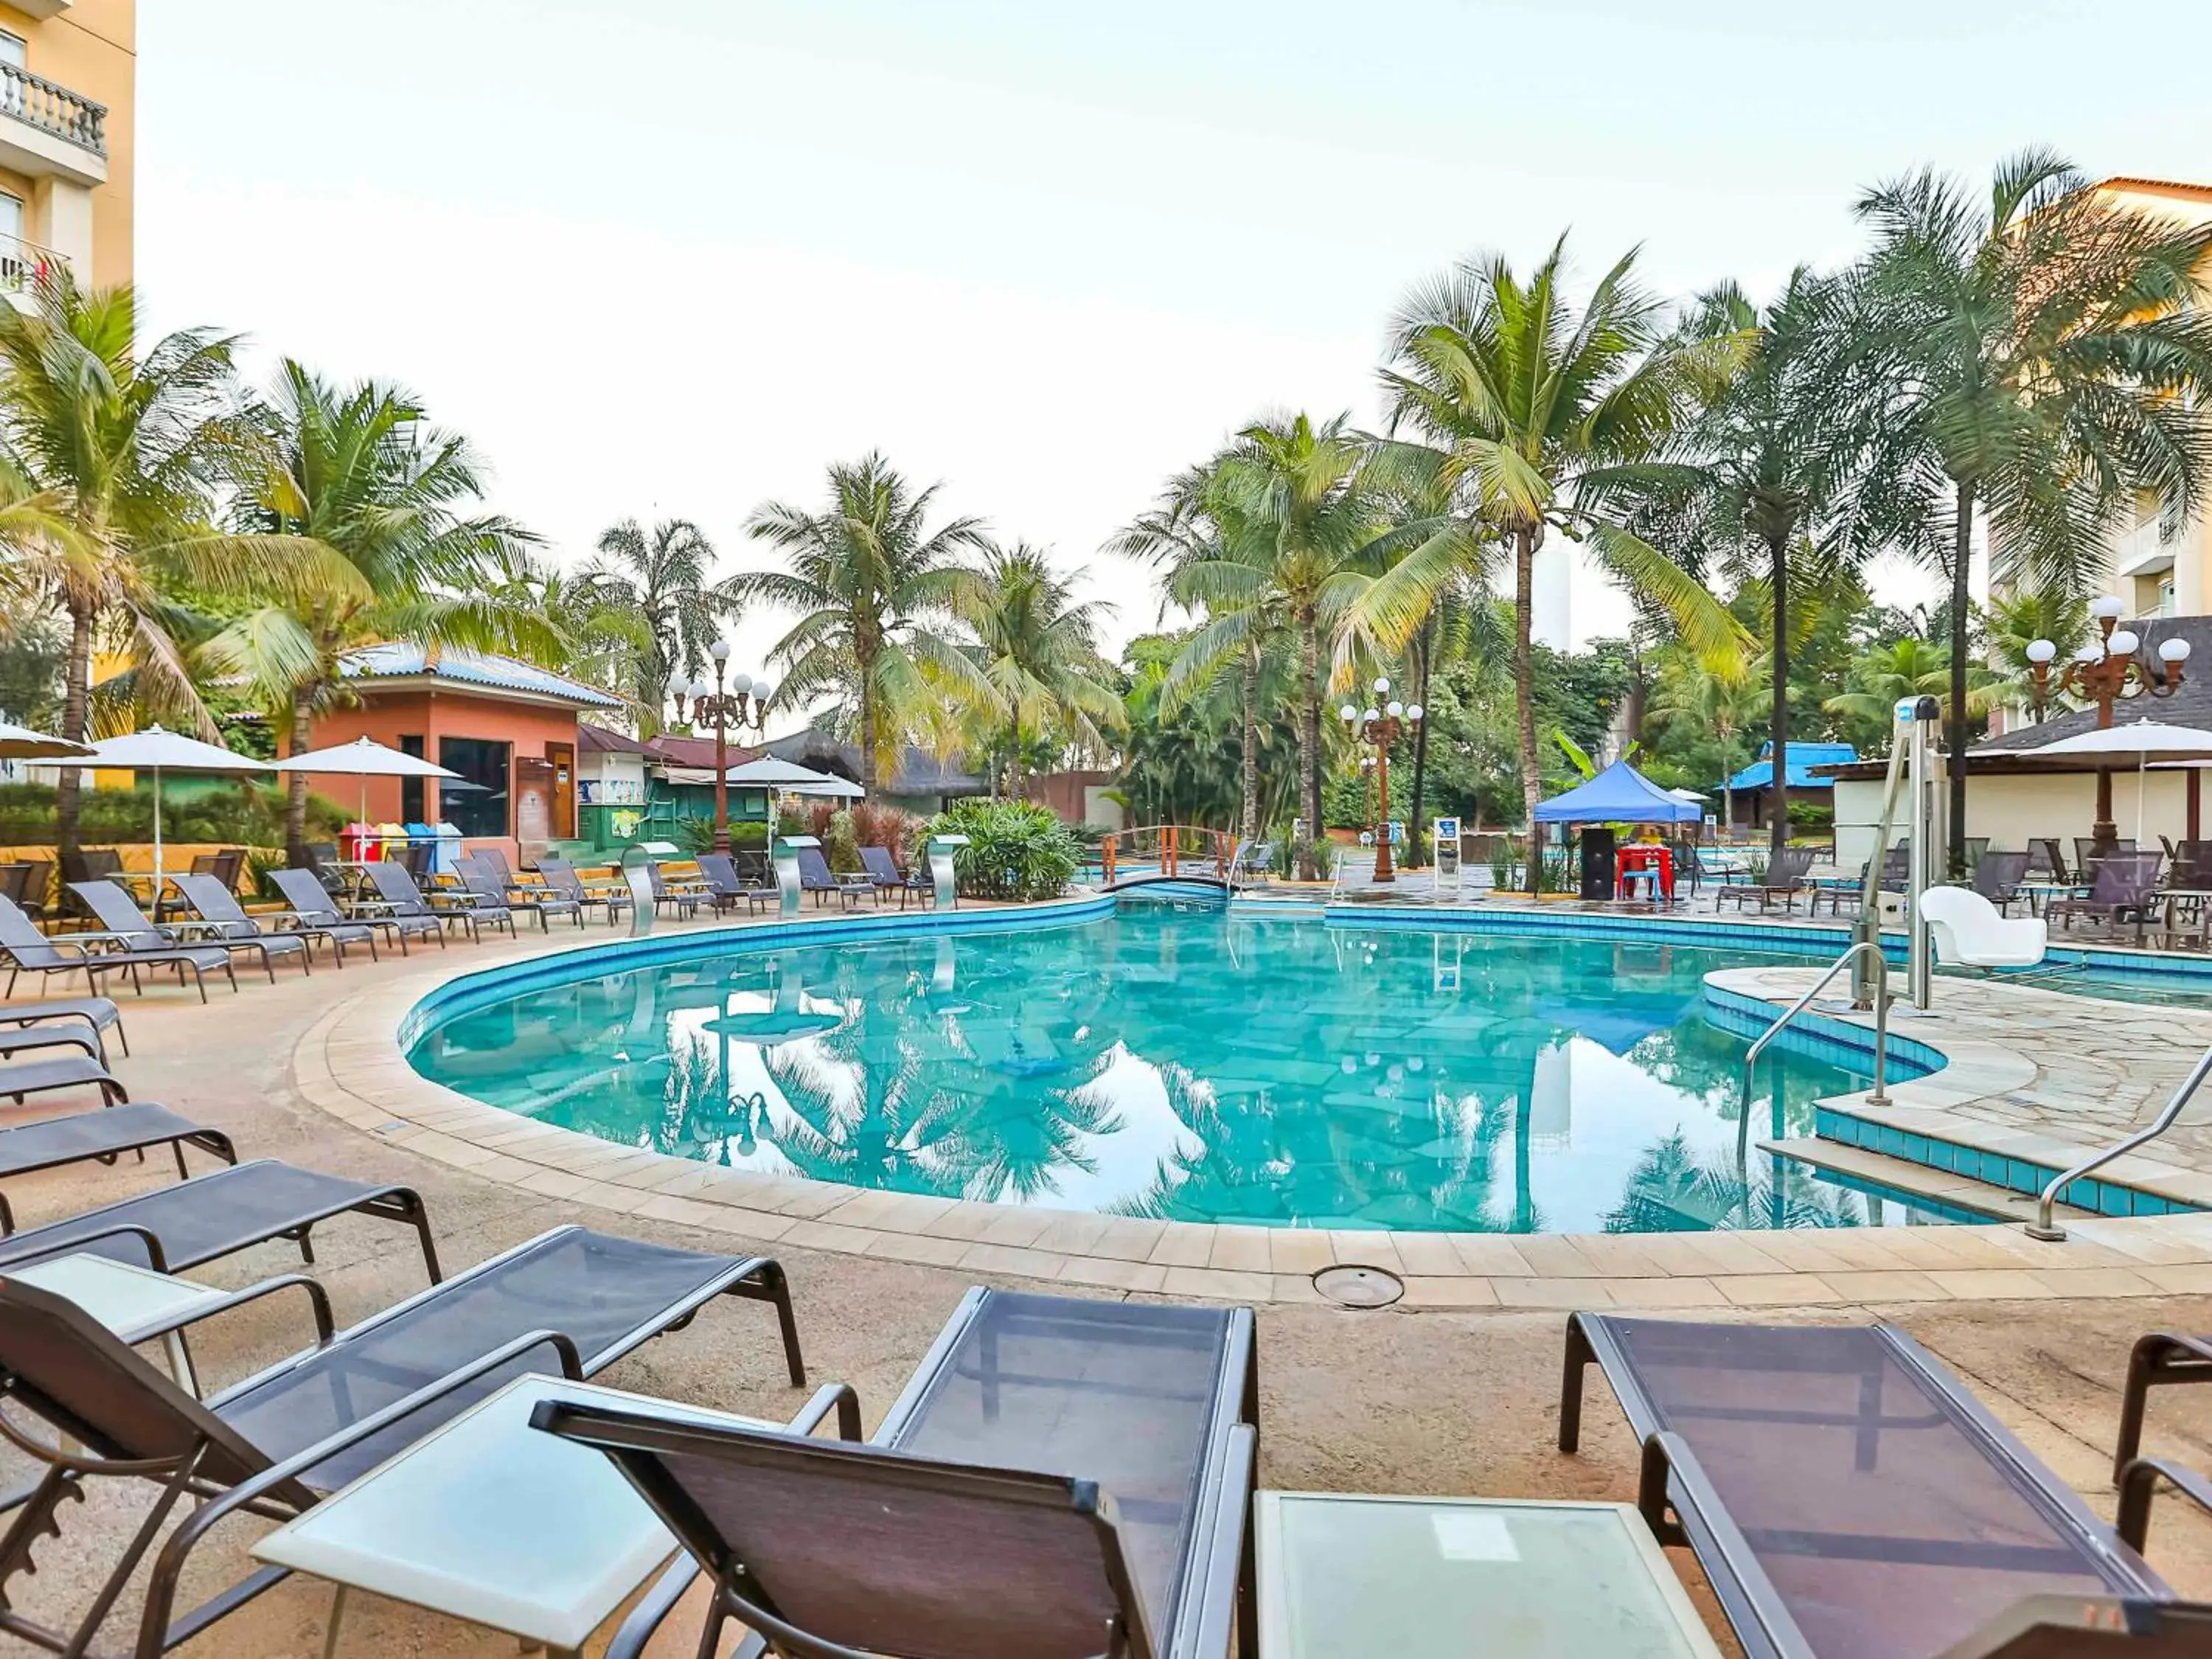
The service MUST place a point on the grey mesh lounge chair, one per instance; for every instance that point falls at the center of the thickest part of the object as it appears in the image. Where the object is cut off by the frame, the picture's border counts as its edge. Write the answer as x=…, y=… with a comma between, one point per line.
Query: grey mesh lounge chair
x=2122, y=889
x=30, y=952
x=2092, y=1628
x=480, y=893
x=570, y=1300
x=816, y=877
x=884, y=873
x=314, y=911
x=561, y=876
x=1999, y=876
x=680, y=896
x=727, y=890
x=119, y=914
x=96, y=1014
x=2160, y=1360
x=1845, y=1496
x=217, y=906
x=211, y=1215
x=1136, y=1429
x=497, y=900
x=1784, y=879
x=104, y=1135
x=21, y=1078
x=398, y=897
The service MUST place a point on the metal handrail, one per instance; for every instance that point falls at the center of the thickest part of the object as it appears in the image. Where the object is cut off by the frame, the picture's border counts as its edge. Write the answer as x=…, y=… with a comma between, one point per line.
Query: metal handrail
x=1878, y=1096
x=2045, y=1227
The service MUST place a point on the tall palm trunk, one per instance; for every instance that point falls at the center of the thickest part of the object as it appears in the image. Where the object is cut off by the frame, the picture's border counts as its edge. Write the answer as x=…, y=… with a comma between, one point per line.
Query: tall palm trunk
x=1954, y=731
x=1524, y=668
x=1778, y=831
x=1424, y=650
x=1310, y=736
x=1247, y=822
x=295, y=801
x=866, y=664
x=76, y=709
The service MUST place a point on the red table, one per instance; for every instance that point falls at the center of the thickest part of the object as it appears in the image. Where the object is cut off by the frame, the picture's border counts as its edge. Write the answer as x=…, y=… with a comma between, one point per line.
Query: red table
x=1638, y=859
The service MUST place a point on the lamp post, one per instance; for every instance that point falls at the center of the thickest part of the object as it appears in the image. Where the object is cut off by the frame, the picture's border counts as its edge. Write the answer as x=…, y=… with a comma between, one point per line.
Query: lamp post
x=2105, y=672
x=1381, y=726
x=740, y=703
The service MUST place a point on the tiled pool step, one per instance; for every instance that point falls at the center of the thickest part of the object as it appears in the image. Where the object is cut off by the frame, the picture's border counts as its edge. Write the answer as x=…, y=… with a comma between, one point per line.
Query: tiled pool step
x=1947, y=1194
x=2117, y=1190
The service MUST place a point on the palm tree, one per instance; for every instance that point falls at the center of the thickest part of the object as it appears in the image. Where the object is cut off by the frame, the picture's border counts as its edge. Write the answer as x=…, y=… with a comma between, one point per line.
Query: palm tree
x=1533, y=406
x=1038, y=648
x=663, y=577
x=108, y=450
x=2048, y=364
x=872, y=583
x=1887, y=674
x=1698, y=698
x=598, y=638
x=359, y=474
x=2015, y=621
x=1289, y=499
x=1753, y=469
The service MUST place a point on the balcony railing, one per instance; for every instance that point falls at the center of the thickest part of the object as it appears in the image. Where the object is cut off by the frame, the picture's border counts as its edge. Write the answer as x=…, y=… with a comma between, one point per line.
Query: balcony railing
x=39, y=103
x=23, y=266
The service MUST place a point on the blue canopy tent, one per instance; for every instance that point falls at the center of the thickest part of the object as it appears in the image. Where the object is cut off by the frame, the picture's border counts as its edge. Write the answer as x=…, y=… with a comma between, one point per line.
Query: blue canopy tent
x=1618, y=794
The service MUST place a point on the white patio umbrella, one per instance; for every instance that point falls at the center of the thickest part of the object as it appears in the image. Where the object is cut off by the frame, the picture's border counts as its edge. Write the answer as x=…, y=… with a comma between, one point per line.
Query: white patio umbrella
x=792, y=779
x=2142, y=741
x=21, y=743
x=157, y=751
x=364, y=759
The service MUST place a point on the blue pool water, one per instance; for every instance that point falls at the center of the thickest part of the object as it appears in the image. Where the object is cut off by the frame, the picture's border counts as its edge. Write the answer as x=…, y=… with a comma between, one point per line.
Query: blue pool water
x=1187, y=1065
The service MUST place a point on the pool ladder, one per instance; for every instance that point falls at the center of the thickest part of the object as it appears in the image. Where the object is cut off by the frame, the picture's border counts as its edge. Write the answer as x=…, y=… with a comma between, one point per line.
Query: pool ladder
x=1880, y=1096
x=2046, y=1225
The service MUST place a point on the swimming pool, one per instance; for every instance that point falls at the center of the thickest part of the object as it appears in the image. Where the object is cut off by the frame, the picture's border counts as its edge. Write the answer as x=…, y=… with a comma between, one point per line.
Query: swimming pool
x=1183, y=1064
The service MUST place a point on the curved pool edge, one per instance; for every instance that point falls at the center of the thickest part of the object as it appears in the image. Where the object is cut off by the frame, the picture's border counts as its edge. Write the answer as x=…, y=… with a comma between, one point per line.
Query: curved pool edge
x=352, y=1064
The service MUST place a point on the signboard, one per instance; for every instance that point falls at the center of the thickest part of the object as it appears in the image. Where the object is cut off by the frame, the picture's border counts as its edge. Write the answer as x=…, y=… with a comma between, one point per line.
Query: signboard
x=1448, y=855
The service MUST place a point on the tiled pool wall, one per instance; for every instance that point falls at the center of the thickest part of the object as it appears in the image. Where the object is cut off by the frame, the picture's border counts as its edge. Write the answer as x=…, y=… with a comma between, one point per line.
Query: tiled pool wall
x=1993, y=1169
x=1816, y=1035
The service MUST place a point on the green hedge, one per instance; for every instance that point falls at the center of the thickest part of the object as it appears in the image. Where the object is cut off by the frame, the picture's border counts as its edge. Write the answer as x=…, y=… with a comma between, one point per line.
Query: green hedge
x=238, y=815
x=1015, y=850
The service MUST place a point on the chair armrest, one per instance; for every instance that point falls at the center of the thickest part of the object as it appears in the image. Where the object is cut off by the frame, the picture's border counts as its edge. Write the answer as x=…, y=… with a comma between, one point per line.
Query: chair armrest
x=77, y=1246
x=2139, y=1482
x=318, y=1301
x=1208, y=1622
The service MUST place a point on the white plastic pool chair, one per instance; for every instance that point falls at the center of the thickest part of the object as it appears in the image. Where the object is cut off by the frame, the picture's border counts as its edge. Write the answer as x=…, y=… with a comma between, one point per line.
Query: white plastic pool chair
x=1970, y=933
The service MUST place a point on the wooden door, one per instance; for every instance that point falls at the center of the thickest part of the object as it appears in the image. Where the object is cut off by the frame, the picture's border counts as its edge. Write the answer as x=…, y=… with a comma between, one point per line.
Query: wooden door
x=563, y=757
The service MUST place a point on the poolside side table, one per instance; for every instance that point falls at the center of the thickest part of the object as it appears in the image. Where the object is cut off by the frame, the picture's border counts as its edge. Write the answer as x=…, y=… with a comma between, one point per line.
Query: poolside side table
x=1447, y=1577
x=489, y=1521
x=126, y=1300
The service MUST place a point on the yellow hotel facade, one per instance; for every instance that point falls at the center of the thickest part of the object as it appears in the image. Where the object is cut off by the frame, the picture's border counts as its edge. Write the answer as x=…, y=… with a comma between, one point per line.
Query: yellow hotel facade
x=68, y=79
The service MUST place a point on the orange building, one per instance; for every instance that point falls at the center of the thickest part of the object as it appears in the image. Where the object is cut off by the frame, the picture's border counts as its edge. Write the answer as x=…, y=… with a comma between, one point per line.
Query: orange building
x=507, y=728
x=67, y=117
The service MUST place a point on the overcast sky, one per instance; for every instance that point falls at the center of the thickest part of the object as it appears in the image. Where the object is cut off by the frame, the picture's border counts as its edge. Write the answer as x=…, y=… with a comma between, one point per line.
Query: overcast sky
x=671, y=259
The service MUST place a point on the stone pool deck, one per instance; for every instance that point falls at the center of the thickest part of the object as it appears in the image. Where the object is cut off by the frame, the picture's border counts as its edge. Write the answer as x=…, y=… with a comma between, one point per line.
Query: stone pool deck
x=1427, y=1397
x=2027, y=1067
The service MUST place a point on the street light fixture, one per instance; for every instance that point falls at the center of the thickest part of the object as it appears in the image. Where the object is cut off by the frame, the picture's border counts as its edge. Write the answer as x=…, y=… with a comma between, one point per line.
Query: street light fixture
x=1380, y=727
x=2104, y=672
x=743, y=701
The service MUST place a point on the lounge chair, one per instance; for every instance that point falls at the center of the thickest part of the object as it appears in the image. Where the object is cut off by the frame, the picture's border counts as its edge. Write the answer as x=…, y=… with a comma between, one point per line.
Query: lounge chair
x=104, y=1135
x=211, y=1215
x=2125, y=887
x=494, y=881
x=30, y=952
x=314, y=912
x=1969, y=933
x=563, y=878
x=570, y=1300
x=2163, y=1359
x=1845, y=1496
x=97, y=1014
x=1128, y=1534
x=488, y=901
x=218, y=906
x=398, y=897
x=726, y=889
x=125, y=922
x=1784, y=879
x=2044, y=857
x=1999, y=876
x=877, y=862
x=72, y=1033
x=816, y=877
x=22, y=1078
x=680, y=896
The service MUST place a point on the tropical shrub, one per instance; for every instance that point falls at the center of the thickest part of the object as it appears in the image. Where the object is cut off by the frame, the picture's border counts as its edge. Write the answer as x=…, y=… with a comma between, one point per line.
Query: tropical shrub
x=875, y=825
x=239, y=816
x=696, y=836
x=841, y=845
x=1015, y=850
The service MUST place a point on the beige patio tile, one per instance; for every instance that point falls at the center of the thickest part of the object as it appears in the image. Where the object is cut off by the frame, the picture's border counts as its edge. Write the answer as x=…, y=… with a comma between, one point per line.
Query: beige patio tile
x=916, y=1247
x=1300, y=1250
x=1214, y=1284
x=1018, y=1227
x=1184, y=1244
x=1673, y=1291
x=964, y=1220
x=1428, y=1256
x=2098, y=1281
x=1776, y=1290
x=1454, y=1291
x=1551, y=1255
x=1484, y=1254
x=1128, y=1239
x=1893, y=1284
x=1992, y=1284
x=1240, y=1250
x=555, y=1183
x=1566, y=1293
x=820, y=1236
x=1110, y=1273
x=1013, y=1259
x=1363, y=1248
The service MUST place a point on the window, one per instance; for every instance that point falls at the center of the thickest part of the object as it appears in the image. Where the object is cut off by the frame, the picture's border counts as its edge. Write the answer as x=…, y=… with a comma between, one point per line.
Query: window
x=481, y=810
x=410, y=789
x=13, y=52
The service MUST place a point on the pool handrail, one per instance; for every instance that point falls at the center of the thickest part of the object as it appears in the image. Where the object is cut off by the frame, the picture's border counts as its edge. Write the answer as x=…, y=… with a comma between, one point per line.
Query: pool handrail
x=2046, y=1228
x=1880, y=1096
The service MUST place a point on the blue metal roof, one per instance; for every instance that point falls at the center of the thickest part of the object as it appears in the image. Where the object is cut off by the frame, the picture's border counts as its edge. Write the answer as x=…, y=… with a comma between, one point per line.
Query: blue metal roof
x=1618, y=794
x=398, y=661
x=1804, y=757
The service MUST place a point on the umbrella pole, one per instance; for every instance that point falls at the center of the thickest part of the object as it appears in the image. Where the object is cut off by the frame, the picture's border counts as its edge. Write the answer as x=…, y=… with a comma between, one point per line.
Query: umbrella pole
x=2195, y=799
x=157, y=840
x=2143, y=774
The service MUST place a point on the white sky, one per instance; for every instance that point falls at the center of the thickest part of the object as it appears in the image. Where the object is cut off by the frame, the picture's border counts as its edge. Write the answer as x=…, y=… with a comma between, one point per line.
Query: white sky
x=673, y=258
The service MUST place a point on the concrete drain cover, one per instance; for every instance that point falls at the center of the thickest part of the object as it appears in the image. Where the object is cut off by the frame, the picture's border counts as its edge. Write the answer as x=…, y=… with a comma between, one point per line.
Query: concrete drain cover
x=1358, y=1287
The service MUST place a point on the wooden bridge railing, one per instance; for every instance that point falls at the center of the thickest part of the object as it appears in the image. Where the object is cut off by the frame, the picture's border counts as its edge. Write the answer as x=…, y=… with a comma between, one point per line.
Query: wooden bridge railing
x=1176, y=844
